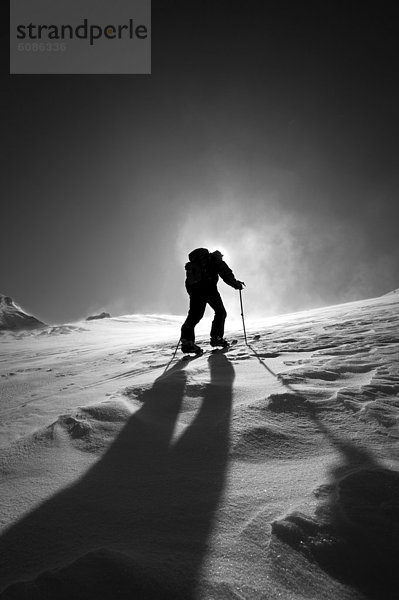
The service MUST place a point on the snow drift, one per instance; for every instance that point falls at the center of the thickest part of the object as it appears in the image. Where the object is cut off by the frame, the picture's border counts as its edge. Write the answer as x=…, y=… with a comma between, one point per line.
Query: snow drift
x=270, y=471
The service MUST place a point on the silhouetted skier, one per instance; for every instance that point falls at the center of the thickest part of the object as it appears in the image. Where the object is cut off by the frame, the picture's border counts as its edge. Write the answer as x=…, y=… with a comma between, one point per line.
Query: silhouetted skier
x=202, y=275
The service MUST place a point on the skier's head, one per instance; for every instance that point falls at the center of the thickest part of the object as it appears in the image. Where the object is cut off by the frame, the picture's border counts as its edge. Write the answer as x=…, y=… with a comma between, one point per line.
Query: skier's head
x=218, y=254
x=199, y=254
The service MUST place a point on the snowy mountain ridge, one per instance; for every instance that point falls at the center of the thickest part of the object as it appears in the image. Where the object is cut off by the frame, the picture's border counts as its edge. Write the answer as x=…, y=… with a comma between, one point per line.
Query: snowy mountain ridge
x=12, y=317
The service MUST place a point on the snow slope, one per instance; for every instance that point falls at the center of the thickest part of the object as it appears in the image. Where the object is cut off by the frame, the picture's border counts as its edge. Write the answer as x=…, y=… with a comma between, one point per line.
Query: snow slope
x=270, y=471
x=13, y=317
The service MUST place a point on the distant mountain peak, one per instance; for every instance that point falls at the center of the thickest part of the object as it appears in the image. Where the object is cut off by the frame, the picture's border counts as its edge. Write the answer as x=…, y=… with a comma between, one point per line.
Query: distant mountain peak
x=12, y=317
x=103, y=315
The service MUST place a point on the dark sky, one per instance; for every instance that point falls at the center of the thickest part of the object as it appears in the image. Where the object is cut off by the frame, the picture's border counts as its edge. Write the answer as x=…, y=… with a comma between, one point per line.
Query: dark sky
x=271, y=135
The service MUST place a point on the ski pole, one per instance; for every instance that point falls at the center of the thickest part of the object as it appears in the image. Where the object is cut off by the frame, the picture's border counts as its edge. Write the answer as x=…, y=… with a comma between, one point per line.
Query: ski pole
x=177, y=345
x=174, y=354
x=243, y=322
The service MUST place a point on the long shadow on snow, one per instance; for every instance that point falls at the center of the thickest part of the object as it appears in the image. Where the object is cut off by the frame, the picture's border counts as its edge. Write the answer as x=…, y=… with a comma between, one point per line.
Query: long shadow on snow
x=355, y=535
x=137, y=525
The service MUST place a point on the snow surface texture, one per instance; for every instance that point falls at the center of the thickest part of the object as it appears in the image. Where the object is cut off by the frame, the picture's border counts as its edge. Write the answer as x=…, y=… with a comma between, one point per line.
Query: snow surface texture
x=13, y=317
x=270, y=471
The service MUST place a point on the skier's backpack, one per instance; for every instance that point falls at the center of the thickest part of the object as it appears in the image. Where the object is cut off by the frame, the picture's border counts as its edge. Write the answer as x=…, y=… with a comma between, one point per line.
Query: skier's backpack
x=197, y=268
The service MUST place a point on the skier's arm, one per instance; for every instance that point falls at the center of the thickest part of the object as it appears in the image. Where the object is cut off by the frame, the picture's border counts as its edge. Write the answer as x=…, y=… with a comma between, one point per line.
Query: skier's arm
x=228, y=277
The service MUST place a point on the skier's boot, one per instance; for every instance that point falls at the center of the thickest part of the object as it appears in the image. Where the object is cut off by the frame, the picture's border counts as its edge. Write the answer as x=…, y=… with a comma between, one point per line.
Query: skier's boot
x=187, y=347
x=219, y=341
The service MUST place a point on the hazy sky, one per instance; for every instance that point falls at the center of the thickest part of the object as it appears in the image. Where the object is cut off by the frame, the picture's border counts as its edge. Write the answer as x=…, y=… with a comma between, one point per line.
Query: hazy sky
x=272, y=136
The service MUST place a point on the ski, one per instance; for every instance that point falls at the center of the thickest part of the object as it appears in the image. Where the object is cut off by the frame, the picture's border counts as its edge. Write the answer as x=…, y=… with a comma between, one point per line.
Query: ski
x=216, y=350
x=224, y=348
x=188, y=357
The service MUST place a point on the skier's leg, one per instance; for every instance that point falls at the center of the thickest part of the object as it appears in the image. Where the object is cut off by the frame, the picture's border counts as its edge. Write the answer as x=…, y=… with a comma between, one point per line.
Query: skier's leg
x=195, y=314
x=216, y=303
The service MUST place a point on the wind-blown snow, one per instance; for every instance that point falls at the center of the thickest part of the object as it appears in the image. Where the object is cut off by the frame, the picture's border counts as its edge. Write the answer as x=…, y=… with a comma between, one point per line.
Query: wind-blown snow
x=270, y=471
